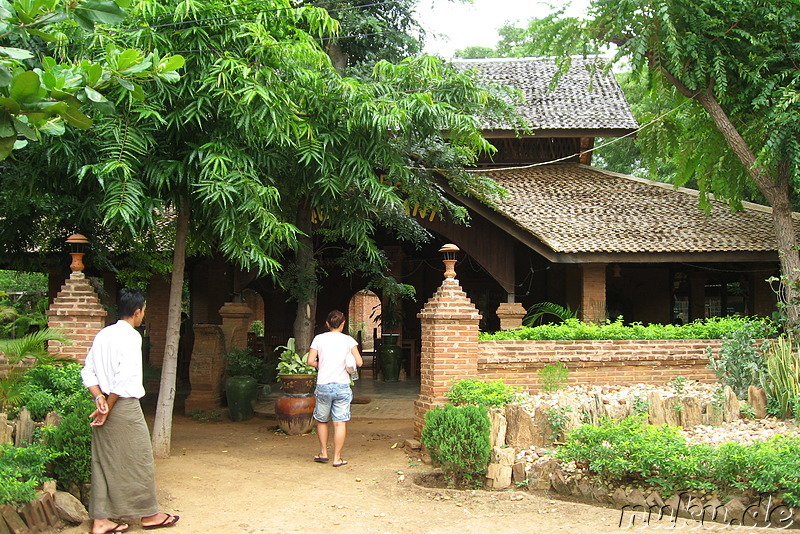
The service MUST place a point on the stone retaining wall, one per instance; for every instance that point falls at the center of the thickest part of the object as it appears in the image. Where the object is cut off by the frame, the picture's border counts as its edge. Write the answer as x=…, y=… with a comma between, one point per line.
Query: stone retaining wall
x=614, y=362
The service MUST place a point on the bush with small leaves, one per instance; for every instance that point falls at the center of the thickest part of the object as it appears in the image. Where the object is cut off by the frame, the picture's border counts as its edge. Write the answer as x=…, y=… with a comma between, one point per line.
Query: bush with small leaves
x=482, y=393
x=457, y=438
x=22, y=469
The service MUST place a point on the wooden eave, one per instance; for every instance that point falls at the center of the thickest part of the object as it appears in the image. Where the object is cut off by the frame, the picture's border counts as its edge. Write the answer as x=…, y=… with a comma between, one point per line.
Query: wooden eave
x=600, y=132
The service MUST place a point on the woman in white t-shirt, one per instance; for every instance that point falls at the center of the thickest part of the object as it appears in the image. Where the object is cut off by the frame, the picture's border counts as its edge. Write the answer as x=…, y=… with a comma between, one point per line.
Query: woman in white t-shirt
x=336, y=356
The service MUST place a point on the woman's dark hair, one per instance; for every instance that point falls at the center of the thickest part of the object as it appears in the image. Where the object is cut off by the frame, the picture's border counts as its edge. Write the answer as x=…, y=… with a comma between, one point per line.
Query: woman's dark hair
x=129, y=301
x=335, y=319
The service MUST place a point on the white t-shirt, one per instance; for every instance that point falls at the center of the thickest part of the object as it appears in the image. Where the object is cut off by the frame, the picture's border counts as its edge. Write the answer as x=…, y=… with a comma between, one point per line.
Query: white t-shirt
x=332, y=349
x=115, y=361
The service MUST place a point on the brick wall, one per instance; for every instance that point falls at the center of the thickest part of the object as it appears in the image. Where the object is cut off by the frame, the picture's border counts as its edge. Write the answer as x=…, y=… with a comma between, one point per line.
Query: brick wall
x=156, y=318
x=610, y=362
x=78, y=314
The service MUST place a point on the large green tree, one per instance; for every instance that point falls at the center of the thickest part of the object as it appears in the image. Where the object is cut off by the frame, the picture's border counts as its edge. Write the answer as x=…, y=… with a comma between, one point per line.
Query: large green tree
x=262, y=137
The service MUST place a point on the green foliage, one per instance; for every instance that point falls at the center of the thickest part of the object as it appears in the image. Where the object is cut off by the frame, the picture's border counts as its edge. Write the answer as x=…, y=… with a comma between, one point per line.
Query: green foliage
x=782, y=378
x=242, y=362
x=558, y=416
x=22, y=469
x=641, y=406
x=738, y=364
x=481, y=393
x=41, y=94
x=292, y=363
x=457, y=438
x=50, y=388
x=539, y=310
x=631, y=451
x=257, y=328
x=554, y=376
x=71, y=442
x=711, y=328
x=747, y=411
x=30, y=348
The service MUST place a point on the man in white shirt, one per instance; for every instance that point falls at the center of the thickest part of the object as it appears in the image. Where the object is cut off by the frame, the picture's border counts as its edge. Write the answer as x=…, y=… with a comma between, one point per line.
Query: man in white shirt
x=123, y=469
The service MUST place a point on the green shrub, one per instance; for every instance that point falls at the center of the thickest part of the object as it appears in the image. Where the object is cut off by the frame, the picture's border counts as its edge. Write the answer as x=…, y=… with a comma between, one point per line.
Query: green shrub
x=483, y=393
x=457, y=438
x=630, y=451
x=49, y=388
x=711, y=328
x=739, y=365
x=71, y=441
x=553, y=376
x=22, y=469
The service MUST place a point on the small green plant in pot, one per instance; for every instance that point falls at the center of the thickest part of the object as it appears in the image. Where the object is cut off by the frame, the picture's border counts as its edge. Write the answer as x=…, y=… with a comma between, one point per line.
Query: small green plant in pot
x=294, y=373
x=241, y=388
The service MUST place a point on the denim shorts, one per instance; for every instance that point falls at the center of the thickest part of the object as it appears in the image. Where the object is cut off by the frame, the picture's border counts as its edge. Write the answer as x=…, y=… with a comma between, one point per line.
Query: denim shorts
x=333, y=402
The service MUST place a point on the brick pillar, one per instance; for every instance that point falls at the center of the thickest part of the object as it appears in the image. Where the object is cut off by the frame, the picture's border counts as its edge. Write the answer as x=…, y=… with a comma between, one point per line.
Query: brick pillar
x=235, y=323
x=511, y=315
x=593, y=292
x=78, y=314
x=206, y=368
x=449, y=346
x=155, y=318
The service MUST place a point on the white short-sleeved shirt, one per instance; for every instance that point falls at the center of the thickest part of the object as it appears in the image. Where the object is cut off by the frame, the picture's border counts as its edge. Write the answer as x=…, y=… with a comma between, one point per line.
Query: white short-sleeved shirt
x=114, y=362
x=332, y=349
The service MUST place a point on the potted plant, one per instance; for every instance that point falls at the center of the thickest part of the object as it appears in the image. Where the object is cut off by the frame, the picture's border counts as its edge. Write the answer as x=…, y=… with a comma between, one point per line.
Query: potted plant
x=294, y=373
x=295, y=408
x=241, y=388
x=391, y=356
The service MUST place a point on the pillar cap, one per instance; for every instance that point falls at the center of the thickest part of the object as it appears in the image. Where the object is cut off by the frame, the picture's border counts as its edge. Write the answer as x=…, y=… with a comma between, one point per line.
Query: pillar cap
x=78, y=239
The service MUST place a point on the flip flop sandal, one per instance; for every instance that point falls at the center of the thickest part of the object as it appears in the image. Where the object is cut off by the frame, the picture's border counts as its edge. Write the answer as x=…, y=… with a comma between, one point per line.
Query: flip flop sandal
x=320, y=459
x=117, y=529
x=168, y=521
x=340, y=464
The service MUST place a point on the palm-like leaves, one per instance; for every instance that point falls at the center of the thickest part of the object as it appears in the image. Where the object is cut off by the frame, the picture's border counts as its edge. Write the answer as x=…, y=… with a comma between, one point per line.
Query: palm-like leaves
x=22, y=354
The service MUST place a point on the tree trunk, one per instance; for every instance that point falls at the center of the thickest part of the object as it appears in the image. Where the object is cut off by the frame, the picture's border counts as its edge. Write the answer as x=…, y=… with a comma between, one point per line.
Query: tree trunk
x=338, y=57
x=306, y=272
x=162, y=426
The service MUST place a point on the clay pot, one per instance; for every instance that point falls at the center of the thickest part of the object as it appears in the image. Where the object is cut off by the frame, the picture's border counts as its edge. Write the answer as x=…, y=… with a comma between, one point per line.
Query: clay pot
x=295, y=413
x=297, y=384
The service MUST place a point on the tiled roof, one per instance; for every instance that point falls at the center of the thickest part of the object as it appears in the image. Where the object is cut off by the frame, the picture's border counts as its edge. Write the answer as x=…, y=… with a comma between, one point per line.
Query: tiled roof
x=583, y=99
x=572, y=208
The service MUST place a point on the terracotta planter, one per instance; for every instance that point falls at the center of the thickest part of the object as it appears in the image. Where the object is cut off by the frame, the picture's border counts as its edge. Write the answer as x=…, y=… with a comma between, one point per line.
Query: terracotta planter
x=297, y=384
x=295, y=413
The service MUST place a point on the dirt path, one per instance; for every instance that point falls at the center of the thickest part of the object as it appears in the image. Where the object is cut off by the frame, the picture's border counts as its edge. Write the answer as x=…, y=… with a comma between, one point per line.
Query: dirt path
x=245, y=478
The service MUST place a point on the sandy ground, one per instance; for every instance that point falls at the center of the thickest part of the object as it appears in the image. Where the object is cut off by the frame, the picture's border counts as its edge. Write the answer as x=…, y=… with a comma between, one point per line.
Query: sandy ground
x=245, y=477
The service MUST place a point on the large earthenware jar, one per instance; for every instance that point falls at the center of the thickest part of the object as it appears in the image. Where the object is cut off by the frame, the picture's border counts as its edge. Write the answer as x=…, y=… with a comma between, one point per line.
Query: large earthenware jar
x=391, y=357
x=295, y=413
x=241, y=392
x=297, y=384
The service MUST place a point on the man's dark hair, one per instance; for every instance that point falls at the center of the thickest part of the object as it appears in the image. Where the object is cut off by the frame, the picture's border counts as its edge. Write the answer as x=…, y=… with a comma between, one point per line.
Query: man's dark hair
x=335, y=319
x=129, y=301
